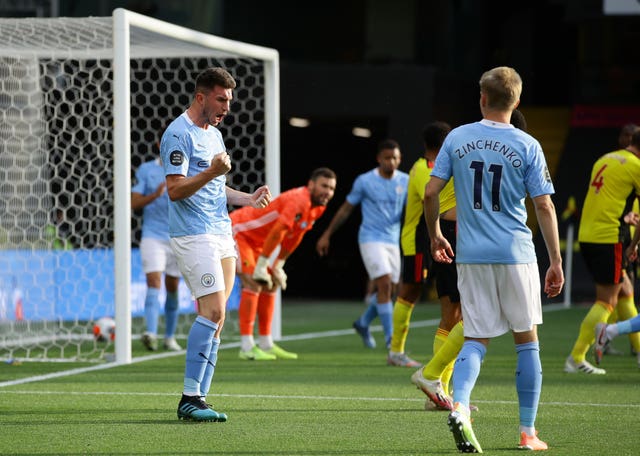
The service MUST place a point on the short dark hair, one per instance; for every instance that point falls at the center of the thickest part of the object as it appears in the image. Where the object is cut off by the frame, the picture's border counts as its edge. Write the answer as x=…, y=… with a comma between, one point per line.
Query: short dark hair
x=322, y=172
x=387, y=144
x=624, y=138
x=635, y=139
x=214, y=76
x=518, y=120
x=433, y=134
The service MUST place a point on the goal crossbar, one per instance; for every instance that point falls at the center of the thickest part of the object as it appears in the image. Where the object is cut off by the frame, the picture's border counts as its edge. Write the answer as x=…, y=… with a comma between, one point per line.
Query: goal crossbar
x=84, y=100
x=123, y=20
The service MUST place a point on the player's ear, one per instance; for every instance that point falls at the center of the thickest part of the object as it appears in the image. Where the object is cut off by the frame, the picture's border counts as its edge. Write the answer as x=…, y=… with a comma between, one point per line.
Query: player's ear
x=483, y=99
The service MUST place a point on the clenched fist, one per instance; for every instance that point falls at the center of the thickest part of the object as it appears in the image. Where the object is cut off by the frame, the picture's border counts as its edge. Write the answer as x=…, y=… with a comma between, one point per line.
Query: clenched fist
x=221, y=163
x=261, y=197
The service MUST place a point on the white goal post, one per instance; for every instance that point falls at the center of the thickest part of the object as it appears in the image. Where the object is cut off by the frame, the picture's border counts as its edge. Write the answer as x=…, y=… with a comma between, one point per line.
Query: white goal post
x=84, y=99
x=122, y=21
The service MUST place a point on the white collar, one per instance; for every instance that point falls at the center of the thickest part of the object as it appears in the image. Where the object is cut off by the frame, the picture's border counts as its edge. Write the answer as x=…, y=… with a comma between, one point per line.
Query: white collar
x=492, y=123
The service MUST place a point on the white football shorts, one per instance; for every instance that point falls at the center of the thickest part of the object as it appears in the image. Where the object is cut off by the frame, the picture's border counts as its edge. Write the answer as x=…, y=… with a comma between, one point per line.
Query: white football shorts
x=157, y=256
x=498, y=298
x=381, y=259
x=199, y=259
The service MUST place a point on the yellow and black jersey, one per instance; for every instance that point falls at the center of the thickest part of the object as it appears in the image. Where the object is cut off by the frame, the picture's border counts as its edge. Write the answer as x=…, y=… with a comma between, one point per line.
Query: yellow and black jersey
x=613, y=187
x=415, y=237
x=414, y=227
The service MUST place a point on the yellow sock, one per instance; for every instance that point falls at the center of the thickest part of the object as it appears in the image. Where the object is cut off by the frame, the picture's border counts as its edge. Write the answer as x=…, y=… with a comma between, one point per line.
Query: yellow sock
x=446, y=376
x=598, y=313
x=439, y=339
x=614, y=315
x=450, y=350
x=402, y=310
x=445, y=356
x=626, y=309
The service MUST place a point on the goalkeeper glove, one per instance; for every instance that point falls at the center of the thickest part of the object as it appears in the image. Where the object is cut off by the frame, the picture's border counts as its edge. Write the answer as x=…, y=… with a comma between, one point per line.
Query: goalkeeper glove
x=261, y=272
x=279, y=276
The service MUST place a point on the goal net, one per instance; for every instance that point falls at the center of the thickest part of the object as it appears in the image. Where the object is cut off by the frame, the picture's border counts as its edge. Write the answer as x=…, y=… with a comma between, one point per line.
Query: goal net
x=84, y=101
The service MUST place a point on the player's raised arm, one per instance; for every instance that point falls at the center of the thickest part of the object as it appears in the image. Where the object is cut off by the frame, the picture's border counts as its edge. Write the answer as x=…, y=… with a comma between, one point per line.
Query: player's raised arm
x=322, y=245
x=258, y=199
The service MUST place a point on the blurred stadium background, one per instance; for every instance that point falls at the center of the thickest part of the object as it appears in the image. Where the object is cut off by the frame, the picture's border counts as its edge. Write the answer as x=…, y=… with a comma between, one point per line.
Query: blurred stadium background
x=388, y=67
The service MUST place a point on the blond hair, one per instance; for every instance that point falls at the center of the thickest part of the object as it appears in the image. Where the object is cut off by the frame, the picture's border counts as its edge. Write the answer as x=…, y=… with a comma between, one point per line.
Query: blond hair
x=502, y=86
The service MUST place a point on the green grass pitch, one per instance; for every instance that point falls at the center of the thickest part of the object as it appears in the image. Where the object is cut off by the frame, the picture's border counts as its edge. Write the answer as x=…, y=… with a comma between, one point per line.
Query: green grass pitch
x=339, y=398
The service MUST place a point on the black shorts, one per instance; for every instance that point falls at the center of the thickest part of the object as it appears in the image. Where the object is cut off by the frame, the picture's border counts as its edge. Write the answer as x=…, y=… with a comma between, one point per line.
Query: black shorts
x=605, y=262
x=415, y=268
x=446, y=273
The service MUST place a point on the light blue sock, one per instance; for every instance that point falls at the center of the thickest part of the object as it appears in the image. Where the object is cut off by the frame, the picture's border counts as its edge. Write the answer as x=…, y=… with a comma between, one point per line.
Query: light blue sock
x=635, y=324
x=466, y=370
x=171, y=314
x=629, y=326
x=385, y=312
x=528, y=381
x=205, y=385
x=152, y=309
x=370, y=313
x=199, y=344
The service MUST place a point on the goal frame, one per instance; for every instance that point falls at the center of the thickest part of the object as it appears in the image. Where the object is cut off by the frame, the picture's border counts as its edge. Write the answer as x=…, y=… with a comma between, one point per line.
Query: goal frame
x=122, y=21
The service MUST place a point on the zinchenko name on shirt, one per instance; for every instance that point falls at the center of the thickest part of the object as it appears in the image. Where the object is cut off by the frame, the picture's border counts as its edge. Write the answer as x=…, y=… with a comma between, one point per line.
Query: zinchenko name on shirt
x=488, y=144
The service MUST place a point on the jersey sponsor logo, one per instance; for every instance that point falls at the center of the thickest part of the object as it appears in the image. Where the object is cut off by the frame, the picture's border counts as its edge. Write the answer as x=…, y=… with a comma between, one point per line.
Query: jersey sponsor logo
x=203, y=164
x=208, y=280
x=176, y=158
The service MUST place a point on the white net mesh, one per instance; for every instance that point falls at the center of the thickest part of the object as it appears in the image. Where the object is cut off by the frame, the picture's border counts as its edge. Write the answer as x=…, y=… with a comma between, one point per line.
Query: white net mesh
x=56, y=169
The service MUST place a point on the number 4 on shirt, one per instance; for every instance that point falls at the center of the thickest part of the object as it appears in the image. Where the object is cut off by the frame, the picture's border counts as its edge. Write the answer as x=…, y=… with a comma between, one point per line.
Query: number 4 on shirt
x=598, y=180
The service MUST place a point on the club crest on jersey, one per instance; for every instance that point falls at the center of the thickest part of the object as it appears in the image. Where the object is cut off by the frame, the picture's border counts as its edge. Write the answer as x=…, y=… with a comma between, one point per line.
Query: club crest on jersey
x=176, y=158
x=208, y=280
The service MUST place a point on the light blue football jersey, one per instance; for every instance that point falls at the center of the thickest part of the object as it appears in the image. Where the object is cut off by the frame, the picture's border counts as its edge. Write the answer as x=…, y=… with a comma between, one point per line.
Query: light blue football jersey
x=149, y=176
x=494, y=166
x=187, y=149
x=382, y=201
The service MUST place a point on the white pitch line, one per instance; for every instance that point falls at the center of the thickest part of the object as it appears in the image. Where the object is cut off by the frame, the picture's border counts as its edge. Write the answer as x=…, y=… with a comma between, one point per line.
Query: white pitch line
x=237, y=396
x=223, y=346
x=303, y=397
x=333, y=333
x=345, y=332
